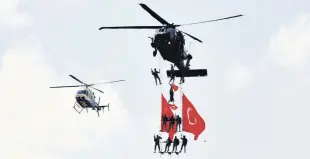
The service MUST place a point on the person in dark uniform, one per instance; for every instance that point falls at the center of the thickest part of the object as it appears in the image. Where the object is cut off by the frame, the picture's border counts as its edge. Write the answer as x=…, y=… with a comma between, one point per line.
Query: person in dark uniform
x=155, y=74
x=181, y=41
x=178, y=122
x=168, y=144
x=176, y=142
x=184, y=143
x=182, y=79
x=171, y=95
x=172, y=75
x=165, y=120
x=157, y=140
x=171, y=124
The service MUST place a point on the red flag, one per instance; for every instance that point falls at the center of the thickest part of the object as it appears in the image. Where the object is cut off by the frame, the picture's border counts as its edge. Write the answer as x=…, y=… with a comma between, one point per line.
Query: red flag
x=192, y=121
x=165, y=110
x=172, y=106
x=174, y=87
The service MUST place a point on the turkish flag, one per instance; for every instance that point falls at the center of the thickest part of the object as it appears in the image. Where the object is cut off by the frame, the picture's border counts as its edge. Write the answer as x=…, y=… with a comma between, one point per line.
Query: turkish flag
x=174, y=87
x=174, y=107
x=166, y=110
x=192, y=121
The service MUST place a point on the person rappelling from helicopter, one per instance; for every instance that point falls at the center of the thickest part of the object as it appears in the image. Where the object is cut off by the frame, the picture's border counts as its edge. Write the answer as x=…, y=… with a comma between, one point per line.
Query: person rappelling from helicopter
x=181, y=41
x=172, y=75
x=171, y=95
x=155, y=74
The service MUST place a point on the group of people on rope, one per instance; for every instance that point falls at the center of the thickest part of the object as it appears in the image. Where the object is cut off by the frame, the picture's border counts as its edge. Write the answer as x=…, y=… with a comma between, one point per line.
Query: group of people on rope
x=168, y=142
x=171, y=92
x=172, y=121
x=172, y=79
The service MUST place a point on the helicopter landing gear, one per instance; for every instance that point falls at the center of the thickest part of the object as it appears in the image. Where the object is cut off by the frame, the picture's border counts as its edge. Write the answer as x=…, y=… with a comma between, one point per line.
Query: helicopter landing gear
x=189, y=58
x=98, y=111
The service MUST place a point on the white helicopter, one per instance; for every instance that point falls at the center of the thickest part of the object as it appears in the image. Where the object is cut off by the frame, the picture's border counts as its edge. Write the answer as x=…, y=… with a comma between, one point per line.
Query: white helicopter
x=85, y=98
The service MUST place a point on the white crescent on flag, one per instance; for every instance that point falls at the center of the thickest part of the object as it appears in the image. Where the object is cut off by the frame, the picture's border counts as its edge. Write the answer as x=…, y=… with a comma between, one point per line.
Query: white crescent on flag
x=189, y=121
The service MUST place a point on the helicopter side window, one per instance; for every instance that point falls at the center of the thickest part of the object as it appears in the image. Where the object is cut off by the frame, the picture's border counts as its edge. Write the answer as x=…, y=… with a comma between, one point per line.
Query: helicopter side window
x=162, y=30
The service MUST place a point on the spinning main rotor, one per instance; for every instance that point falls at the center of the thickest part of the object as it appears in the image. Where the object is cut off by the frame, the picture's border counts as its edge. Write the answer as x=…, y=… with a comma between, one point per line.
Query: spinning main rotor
x=165, y=23
x=86, y=85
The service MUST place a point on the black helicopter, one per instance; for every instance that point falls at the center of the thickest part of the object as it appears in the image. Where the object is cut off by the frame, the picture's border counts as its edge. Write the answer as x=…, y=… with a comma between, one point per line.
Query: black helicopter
x=170, y=43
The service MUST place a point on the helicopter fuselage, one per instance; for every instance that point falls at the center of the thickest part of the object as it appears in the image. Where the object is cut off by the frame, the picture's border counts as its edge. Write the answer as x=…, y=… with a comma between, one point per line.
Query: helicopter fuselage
x=86, y=98
x=170, y=44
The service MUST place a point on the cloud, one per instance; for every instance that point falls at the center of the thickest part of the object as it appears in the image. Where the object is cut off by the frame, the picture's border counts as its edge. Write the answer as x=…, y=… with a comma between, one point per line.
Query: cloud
x=289, y=47
x=38, y=122
x=10, y=16
x=238, y=76
x=60, y=7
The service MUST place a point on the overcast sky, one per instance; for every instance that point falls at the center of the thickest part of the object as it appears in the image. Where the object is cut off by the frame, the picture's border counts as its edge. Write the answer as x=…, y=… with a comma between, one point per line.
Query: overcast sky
x=254, y=100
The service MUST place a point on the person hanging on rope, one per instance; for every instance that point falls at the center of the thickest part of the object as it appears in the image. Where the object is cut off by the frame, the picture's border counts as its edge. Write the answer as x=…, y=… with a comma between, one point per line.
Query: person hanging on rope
x=157, y=141
x=168, y=144
x=172, y=75
x=184, y=143
x=171, y=123
x=165, y=120
x=171, y=95
x=182, y=80
x=155, y=74
x=178, y=122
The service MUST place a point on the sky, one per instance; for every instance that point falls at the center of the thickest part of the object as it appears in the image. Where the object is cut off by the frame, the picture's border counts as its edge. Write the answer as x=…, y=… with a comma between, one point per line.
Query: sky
x=254, y=99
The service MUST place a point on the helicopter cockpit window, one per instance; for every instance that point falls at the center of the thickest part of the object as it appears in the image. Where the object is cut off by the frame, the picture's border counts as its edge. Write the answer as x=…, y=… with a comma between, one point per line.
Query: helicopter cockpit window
x=82, y=92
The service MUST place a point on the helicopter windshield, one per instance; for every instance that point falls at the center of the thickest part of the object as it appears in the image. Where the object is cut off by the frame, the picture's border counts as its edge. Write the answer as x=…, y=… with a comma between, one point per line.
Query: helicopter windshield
x=161, y=30
x=81, y=92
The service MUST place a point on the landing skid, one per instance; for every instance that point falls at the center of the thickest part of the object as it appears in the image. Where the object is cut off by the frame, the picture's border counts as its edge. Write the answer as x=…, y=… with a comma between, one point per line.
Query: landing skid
x=189, y=73
x=81, y=108
x=98, y=108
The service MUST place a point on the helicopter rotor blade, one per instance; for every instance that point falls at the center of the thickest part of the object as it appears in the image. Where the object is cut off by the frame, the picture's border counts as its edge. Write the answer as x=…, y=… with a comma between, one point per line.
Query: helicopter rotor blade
x=67, y=86
x=191, y=36
x=77, y=79
x=89, y=85
x=153, y=14
x=97, y=89
x=112, y=82
x=213, y=20
x=131, y=27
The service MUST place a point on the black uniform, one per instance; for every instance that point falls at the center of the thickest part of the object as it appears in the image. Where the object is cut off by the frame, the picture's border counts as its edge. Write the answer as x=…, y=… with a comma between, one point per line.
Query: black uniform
x=165, y=119
x=171, y=95
x=157, y=140
x=182, y=79
x=178, y=122
x=155, y=74
x=172, y=75
x=184, y=143
x=181, y=41
x=168, y=144
x=176, y=142
x=171, y=124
